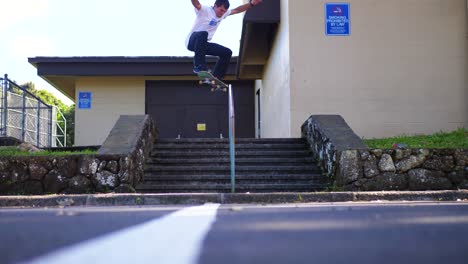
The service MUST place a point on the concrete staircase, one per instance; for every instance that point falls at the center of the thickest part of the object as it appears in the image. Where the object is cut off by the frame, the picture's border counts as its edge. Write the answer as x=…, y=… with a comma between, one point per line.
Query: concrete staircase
x=203, y=165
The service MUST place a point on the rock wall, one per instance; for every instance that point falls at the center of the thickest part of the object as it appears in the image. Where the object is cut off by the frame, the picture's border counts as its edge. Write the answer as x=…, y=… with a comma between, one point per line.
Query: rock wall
x=328, y=136
x=403, y=169
x=103, y=172
x=352, y=166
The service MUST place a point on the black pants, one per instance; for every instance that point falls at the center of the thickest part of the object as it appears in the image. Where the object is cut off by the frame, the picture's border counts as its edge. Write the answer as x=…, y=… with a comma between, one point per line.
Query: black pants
x=199, y=44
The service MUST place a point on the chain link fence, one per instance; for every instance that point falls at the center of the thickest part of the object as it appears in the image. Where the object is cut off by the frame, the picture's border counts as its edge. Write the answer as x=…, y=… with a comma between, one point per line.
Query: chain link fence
x=26, y=117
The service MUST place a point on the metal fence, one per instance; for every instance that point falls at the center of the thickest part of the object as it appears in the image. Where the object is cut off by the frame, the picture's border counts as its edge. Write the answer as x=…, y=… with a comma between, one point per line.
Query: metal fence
x=26, y=117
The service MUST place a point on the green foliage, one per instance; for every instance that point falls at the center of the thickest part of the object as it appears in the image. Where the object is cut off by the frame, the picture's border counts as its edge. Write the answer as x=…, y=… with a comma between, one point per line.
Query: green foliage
x=333, y=188
x=50, y=99
x=30, y=87
x=454, y=139
x=69, y=114
x=299, y=198
x=14, y=152
x=138, y=201
x=67, y=111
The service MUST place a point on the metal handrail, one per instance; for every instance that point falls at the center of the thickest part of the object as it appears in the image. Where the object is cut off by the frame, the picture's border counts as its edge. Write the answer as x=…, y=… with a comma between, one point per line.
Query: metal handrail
x=4, y=96
x=232, y=151
x=26, y=91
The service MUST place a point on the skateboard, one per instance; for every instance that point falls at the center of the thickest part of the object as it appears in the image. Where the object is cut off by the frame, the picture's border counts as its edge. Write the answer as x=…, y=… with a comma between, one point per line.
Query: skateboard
x=208, y=78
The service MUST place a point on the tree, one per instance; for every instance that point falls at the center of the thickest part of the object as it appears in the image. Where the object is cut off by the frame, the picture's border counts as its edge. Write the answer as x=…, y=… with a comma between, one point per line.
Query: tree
x=30, y=87
x=67, y=111
x=50, y=99
x=69, y=114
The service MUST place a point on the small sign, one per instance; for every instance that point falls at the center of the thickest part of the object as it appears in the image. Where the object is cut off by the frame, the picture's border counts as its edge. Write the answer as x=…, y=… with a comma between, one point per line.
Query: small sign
x=201, y=127
x=337, y=21
x=84, y=100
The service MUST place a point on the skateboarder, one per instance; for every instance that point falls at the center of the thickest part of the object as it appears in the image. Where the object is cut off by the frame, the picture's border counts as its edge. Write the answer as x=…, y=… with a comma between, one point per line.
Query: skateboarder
x=207, y=21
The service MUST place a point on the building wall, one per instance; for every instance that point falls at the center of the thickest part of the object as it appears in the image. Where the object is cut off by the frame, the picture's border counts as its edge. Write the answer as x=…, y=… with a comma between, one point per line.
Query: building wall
x=275, y=93
x=111, y=97
x=403, y=69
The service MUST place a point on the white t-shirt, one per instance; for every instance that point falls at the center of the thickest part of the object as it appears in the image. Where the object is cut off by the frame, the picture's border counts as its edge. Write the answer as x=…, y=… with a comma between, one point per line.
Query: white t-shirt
x=206, y=21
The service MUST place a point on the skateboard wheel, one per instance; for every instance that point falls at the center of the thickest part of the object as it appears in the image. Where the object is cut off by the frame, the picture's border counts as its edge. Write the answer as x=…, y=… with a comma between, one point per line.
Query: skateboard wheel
x=213, y=82
x=200, y=82
x=212, y=89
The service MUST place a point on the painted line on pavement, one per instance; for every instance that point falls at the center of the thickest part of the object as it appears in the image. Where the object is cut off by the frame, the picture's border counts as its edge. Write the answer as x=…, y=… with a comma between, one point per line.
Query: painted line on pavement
x=176, y=238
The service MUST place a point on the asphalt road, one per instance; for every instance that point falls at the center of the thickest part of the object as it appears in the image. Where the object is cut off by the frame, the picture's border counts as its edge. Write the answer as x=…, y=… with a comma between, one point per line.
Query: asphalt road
x=364, y=233
x=303, y=233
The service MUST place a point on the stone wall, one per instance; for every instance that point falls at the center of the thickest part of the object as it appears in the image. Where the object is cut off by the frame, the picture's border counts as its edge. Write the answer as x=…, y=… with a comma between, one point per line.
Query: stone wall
x=351, y=165
x=403, y=169
x=328, y=136
x=117, y=167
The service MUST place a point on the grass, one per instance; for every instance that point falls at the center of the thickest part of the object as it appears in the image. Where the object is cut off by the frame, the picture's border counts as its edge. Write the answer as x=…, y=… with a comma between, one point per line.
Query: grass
x=454, y=139
x=14, y=152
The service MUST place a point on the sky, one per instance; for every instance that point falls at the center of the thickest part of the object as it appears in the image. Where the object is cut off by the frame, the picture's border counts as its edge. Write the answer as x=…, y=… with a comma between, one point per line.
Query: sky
x=67, y=28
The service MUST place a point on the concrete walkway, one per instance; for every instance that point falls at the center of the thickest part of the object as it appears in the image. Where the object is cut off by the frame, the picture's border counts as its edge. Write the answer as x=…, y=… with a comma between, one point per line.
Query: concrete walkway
x=225, y=198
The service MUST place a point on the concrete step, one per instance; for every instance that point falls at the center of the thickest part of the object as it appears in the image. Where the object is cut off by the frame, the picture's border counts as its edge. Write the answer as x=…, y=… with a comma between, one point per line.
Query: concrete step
x=225, y=153
x=203, y=165
x=225, y=146
x=158, y=170
x=223, y=188
x=225, y=140
x=266, y=177
x=226, y=160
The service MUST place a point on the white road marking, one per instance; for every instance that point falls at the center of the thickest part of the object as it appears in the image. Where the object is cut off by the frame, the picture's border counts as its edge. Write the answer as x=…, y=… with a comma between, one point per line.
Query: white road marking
x=176, y=238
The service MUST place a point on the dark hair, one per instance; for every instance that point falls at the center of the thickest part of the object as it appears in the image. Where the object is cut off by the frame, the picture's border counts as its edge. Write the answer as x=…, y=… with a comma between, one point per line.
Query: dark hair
x=225, y=3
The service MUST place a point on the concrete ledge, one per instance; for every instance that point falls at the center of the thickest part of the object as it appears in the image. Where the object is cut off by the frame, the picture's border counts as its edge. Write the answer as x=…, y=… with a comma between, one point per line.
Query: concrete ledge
x=124, y=136
x=225, y=198
x=328, y=137
x=336, y=131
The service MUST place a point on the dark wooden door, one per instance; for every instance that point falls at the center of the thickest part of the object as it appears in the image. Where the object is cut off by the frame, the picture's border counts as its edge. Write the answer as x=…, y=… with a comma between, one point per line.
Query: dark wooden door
x=183, y=108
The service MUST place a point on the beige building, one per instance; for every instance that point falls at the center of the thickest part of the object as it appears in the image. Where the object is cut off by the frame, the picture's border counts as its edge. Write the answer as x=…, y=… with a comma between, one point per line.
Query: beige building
x=402, y=69
x=111, y=97
x=163, y=87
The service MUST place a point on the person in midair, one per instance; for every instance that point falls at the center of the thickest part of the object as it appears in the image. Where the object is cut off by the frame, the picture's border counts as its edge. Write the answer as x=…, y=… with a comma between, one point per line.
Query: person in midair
x=207, y=21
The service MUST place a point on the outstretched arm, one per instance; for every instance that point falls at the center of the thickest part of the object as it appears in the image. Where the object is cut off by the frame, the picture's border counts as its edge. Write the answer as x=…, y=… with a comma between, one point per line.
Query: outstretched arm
x=245, y=7
x=196, y=4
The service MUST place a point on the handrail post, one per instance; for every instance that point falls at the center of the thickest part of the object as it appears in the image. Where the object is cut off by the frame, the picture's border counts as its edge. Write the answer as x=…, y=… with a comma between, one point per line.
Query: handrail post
x=50, y=125
x=23, y=118
x=38, y=128
x=5, y=105
x=64, y=131
x=232, y=140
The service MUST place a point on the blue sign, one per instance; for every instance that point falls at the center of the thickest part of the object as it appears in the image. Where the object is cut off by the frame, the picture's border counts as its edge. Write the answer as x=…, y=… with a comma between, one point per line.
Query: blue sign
x=84, y=100
x=337, y=22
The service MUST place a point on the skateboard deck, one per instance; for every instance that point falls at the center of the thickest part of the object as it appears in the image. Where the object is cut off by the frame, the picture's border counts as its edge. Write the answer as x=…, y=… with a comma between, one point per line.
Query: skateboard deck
x=208, y=78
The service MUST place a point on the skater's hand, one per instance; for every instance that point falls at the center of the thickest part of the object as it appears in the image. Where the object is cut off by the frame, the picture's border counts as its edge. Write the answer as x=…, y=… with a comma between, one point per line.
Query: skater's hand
x=245, y=7
x=196, y=4
x=256, y=2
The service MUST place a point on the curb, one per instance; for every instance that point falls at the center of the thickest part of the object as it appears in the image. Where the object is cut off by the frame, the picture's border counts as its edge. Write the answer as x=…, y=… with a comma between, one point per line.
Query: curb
x=225, y=198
